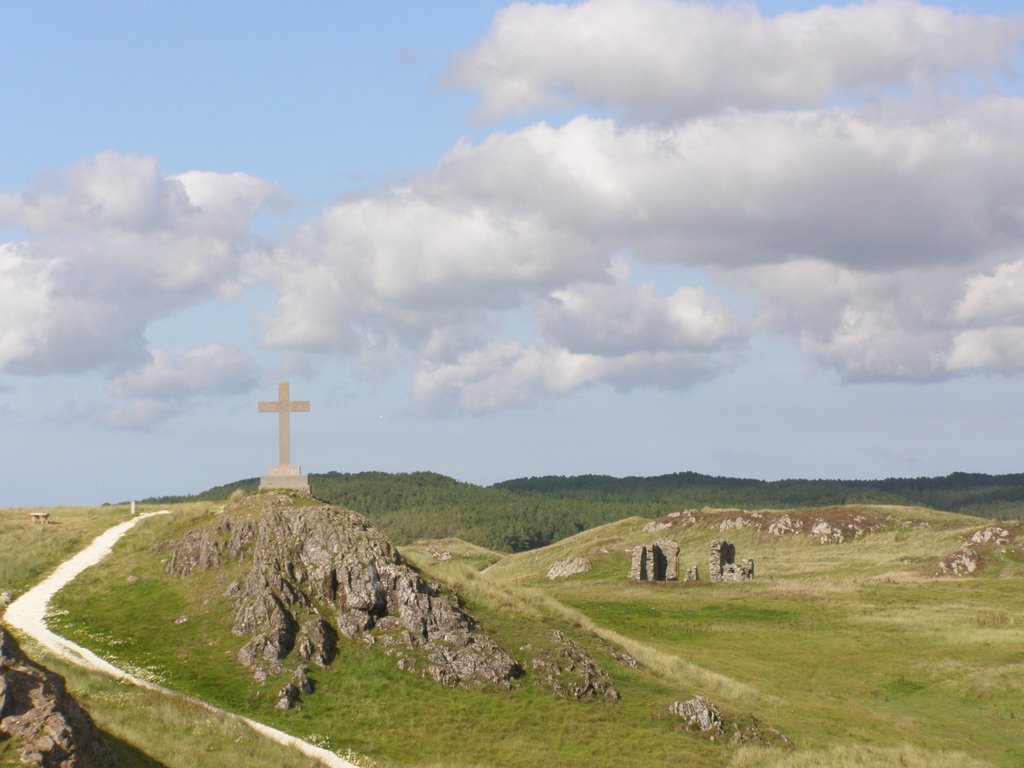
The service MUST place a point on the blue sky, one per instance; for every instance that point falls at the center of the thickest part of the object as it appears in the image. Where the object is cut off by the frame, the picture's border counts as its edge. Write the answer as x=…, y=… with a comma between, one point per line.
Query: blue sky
x=774, y=239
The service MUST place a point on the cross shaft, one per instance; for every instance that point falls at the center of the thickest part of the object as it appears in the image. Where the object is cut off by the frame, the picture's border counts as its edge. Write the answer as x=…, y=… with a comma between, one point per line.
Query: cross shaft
x=283, y=407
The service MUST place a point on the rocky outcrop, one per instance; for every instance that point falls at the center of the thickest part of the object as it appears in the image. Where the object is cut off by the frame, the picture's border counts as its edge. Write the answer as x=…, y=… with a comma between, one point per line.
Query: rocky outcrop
x=975, y=551
x=699, y=714
x=703, y=717
x=672, y=520
x=50, y=727
x=316, y=572
x=785, y=525
x=571, y=672
x=570, y=566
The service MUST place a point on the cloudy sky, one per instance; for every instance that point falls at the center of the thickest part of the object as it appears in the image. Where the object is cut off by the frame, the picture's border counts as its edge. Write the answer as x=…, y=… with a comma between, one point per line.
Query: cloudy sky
x=763, y=239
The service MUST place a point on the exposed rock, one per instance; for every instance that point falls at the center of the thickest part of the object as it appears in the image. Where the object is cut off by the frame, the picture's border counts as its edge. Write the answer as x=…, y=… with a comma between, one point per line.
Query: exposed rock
x=751, y=730
x=570, y=566
x=35, y=708
x=626, y=659
x=316, y=642
x=656, y=525
x=826, y=533
x=963, y=562
x=671, y=520
x=699, y=714
x=991, y=535
x=571, y=672
x=784, y=525
x=302, y=681
x=692, y=574
x=313, y=565
x=442, y=555
x=733, y=524
x=287, y=696
x=5, y=598
x=972, y=553
x=181, y=619
x=703, y=717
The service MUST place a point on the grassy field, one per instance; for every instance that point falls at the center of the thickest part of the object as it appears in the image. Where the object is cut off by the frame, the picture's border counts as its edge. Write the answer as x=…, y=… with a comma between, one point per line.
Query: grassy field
x=145, y=729
x=28, y=551
x=855, y=651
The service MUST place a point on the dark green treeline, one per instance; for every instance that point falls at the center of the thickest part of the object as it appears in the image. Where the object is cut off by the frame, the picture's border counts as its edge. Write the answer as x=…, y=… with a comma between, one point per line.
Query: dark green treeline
x=531, y=512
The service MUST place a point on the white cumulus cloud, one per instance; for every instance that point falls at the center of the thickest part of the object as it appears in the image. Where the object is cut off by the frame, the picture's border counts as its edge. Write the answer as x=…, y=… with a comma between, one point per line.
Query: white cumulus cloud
x=512, y=374
x=112, y=245
x=661, y=59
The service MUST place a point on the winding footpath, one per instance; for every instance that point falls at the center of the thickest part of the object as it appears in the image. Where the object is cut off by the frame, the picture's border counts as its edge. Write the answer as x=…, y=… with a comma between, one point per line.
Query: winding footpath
x=28, y=614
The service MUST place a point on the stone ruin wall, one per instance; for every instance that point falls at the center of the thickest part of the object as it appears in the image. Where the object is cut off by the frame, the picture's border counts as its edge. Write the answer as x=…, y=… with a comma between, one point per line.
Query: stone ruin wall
x=722, y=564
x=655, y=562
x=660, y=562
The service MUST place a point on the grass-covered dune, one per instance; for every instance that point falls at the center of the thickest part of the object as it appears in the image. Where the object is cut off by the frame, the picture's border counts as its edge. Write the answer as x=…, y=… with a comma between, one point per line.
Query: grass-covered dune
x=856, y=651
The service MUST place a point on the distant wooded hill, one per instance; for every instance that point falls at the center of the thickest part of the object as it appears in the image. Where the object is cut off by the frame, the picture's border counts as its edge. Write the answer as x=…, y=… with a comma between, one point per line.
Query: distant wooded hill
x=526, y=513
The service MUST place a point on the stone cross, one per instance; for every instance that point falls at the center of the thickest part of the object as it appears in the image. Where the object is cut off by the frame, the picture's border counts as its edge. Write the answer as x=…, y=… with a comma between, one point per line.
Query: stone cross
x=284, y=475
x=284, y=407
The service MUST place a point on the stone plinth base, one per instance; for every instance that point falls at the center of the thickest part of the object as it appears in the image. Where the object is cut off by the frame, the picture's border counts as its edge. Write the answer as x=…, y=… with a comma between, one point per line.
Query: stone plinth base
x=286, y=476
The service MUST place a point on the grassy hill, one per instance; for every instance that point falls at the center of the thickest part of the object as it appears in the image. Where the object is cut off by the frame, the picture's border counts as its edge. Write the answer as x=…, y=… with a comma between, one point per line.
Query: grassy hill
x=527, y=513
x=174, y=732
x=856, y=651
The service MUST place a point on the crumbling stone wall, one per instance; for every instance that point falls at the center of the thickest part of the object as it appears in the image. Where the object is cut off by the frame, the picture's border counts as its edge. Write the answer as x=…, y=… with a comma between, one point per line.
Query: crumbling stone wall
x=722, y=563
x=655, y=562
x=639, y=569
x=666, y=560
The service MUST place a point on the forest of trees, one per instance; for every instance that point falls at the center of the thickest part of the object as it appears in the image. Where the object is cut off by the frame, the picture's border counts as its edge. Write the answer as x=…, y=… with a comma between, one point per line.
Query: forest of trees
x=525, y=513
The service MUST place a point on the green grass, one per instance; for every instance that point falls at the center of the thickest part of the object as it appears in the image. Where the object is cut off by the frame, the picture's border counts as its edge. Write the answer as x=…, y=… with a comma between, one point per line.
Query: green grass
x=148, y=729
x=28, y=551
x=854, y=651
x=144, y=728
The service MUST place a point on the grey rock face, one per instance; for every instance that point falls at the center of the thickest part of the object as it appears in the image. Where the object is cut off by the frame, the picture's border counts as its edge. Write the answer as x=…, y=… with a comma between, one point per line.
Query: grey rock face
x=318, y=571
x=287, y=696
x=35, y=707
x=572, y=672
x=692, y=574
x=699, y=714
x=971, y=556
x=570, y=566
x=991, y=534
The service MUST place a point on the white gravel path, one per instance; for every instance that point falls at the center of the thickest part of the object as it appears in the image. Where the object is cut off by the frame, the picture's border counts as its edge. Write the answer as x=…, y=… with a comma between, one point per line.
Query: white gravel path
x=28, y=613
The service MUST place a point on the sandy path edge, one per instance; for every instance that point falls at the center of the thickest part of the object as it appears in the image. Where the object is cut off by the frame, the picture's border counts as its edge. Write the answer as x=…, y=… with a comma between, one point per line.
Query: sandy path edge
x=28, y=614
